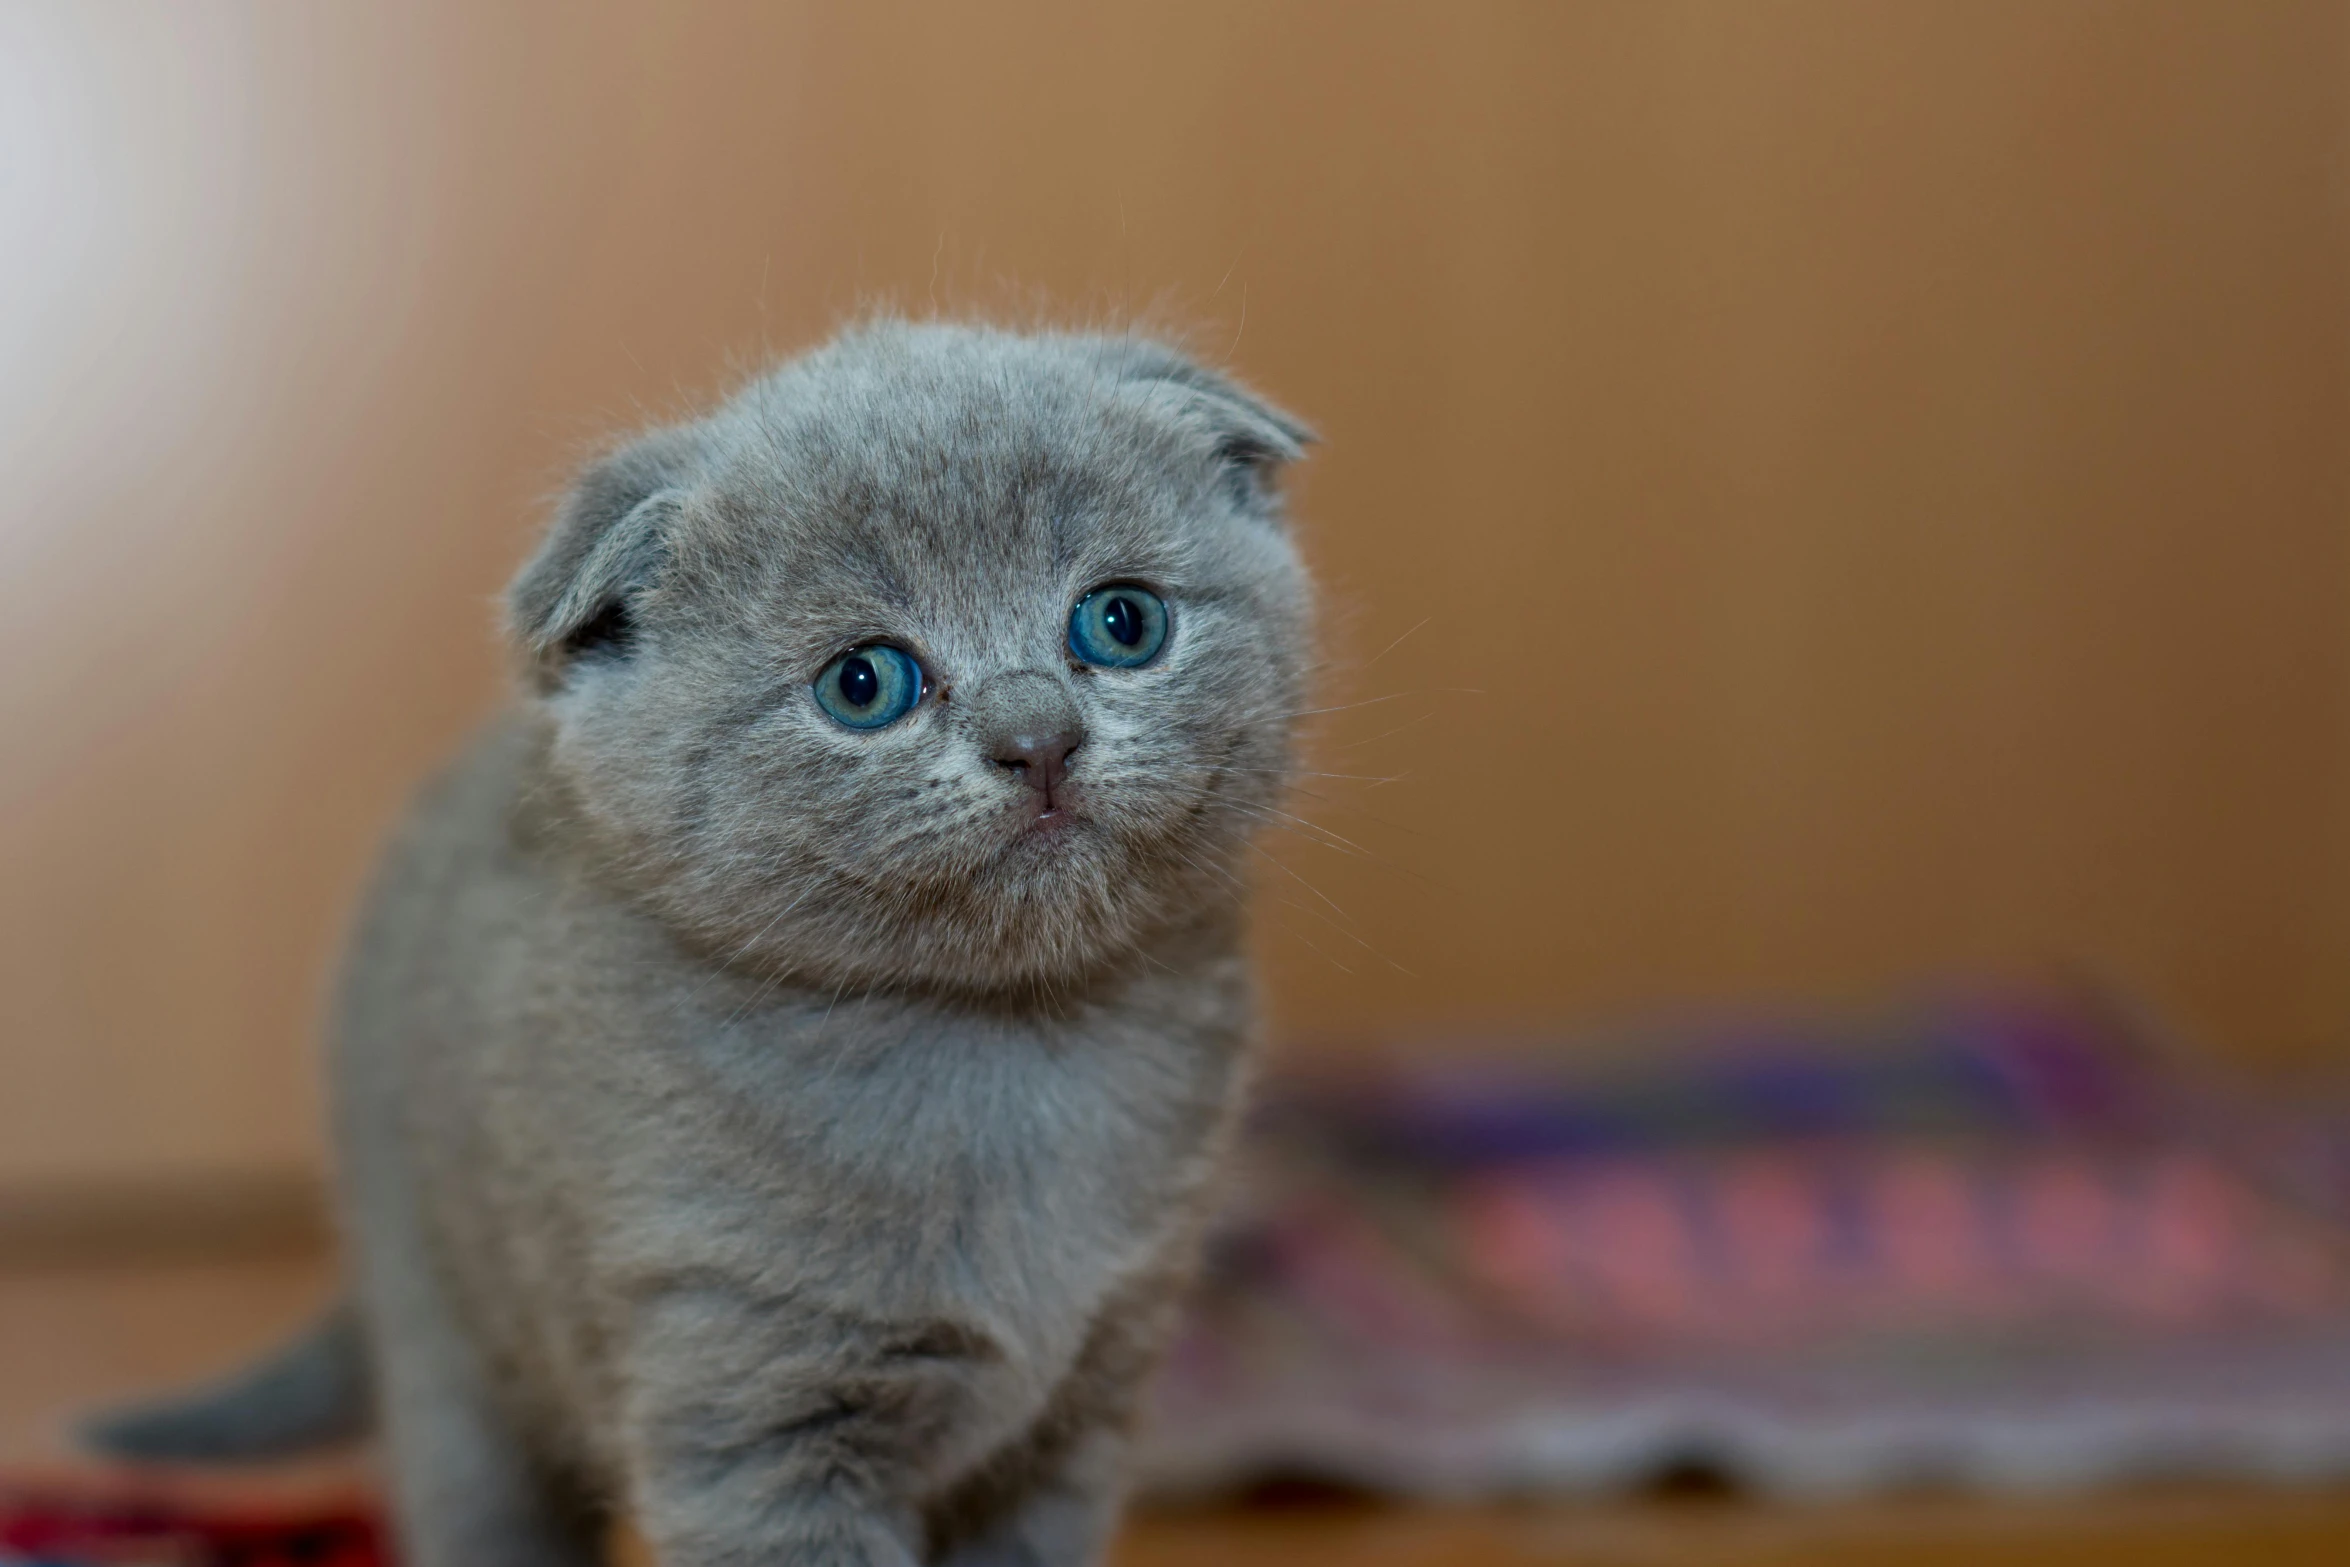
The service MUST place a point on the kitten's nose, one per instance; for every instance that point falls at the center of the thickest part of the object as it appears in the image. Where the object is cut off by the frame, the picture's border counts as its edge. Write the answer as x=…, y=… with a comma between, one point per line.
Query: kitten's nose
x=1026, y=724
x=1039, y=761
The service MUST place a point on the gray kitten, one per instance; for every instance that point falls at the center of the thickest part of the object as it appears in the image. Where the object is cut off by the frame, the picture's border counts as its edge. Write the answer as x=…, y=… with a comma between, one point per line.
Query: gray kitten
x=782, y=1066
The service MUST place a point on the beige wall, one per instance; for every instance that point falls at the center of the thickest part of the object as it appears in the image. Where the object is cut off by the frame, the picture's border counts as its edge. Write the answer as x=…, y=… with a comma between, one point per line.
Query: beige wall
x=1861, y=489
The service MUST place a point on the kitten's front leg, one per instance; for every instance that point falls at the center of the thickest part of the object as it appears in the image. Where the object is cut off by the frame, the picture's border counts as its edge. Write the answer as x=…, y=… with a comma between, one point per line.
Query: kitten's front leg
x=708, y=1495
x=812, y=1524
x=758, y=1438
x=1062, y=1494
x=1067, y=1515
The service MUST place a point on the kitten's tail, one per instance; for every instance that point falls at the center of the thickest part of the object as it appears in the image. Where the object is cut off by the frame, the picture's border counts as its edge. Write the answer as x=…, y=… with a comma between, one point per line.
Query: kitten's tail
x=310, y=1394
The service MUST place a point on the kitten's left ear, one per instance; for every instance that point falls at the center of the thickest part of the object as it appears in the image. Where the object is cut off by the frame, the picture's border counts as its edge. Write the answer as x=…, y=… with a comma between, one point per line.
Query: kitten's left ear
x=1252, y=437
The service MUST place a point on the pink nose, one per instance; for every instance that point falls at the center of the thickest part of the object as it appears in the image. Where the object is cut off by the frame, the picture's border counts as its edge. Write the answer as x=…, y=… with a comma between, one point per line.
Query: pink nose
x=1040, y=761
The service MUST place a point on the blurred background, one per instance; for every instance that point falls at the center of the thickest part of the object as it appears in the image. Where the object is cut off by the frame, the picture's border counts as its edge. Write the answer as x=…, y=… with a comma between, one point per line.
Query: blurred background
x=1817, y=499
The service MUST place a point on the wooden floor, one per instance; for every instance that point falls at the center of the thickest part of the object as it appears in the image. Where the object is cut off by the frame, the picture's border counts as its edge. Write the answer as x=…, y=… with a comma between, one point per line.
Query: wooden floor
x=74, y=1336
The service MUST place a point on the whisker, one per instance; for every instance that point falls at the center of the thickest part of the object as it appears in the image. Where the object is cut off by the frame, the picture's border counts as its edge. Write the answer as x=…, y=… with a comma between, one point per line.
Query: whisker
x=1301, y=829
x=1300, y=772
x=1229, y=884
x=1356, y=745
x=1399, y=641
x=1356, y=810
x=1337, y=838
x=1344, y=921
x=1317, y=951
x=1392, y=696
x=1306, y=830
x=1270, y=859
x=1292, y=903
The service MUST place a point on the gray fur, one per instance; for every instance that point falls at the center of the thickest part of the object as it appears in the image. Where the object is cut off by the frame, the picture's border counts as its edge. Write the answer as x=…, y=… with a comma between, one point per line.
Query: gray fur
x=763, y=1127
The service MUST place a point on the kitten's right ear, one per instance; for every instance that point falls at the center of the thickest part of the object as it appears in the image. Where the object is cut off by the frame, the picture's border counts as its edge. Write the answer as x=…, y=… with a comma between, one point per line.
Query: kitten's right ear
x=571, y=600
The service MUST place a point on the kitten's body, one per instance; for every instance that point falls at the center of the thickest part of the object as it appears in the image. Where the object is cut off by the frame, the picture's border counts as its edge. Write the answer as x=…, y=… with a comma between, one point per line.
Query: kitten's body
x=621, y=1201
x=792, y=1136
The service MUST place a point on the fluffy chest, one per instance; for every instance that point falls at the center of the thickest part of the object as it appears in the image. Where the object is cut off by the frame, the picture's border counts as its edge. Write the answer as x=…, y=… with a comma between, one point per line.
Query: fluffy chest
x=886, y=1163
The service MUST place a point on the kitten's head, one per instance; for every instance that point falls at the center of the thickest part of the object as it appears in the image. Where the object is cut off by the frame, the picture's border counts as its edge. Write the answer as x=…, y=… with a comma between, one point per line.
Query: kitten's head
x=940, y=656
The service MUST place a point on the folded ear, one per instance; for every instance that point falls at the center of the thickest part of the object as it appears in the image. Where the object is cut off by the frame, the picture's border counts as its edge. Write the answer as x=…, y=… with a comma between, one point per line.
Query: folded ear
x=1251, y=436
x=571, y=600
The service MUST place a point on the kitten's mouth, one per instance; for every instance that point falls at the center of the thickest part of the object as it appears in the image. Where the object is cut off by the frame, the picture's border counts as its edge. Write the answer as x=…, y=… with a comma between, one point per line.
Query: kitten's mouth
x=1048, y=828
x=1054, y=821
x=1050, y=811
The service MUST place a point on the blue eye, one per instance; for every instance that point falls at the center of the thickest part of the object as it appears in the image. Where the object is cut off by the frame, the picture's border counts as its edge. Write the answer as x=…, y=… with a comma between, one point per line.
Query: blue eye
x=869, y=687
x=1118, y=627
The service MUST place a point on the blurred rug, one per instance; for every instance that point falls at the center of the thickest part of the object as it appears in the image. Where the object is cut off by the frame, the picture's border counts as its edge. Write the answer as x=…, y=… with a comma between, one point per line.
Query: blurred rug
x=2003, y=1242
x=129, y=1523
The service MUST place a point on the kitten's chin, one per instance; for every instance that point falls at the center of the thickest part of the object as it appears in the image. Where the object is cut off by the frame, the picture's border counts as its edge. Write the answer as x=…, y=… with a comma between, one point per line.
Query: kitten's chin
x=1066, y=896
x=1052, y=902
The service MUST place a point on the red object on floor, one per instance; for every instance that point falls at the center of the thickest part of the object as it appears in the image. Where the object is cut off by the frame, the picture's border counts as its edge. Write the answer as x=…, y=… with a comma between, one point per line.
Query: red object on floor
x=71, y=1527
